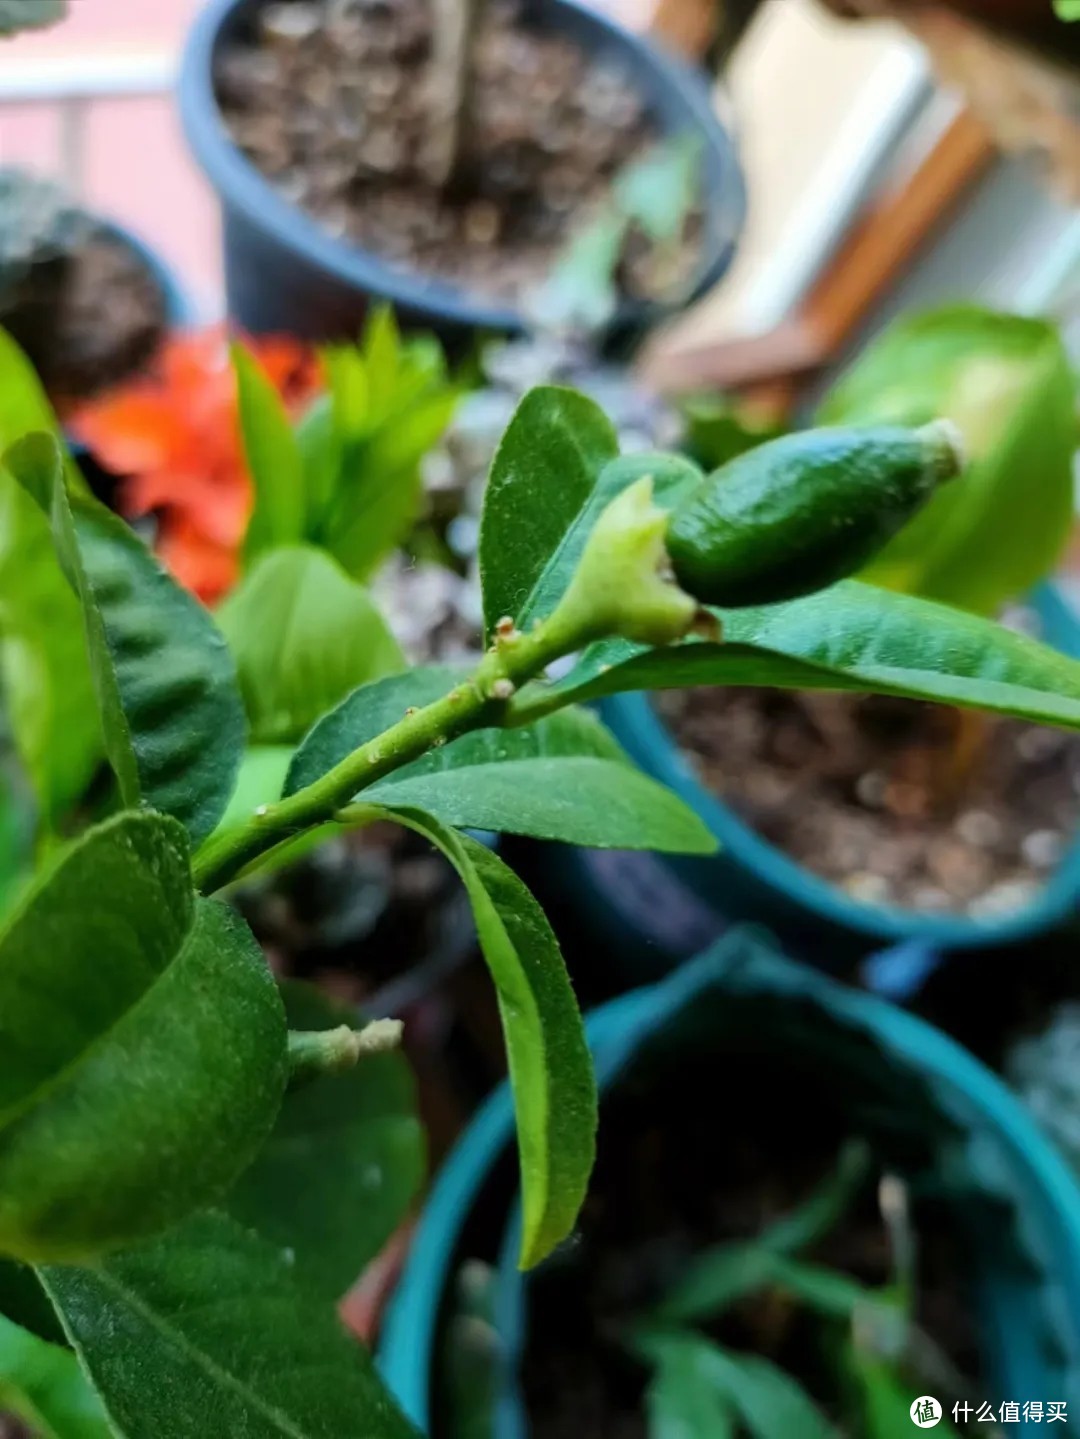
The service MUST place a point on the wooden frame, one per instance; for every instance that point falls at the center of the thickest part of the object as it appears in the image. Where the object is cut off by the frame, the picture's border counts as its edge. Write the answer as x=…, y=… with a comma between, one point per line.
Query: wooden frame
x=772, y=367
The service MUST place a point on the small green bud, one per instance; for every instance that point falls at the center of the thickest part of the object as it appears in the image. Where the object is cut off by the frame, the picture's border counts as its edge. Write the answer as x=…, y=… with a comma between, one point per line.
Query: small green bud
x=804, y=511
x=623, y=584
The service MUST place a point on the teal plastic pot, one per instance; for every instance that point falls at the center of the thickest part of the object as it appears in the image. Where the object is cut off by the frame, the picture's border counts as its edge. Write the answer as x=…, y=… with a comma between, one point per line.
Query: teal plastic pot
x=659, y=910
x=926, y=1104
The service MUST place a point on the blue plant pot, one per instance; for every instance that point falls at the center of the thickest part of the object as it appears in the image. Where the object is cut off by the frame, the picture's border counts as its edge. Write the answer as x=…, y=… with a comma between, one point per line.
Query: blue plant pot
x=1016, y=1200
x=657, y=911
x=285, y=273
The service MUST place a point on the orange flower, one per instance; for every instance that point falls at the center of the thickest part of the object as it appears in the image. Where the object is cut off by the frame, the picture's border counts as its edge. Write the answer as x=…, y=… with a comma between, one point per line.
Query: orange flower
x=173, y=434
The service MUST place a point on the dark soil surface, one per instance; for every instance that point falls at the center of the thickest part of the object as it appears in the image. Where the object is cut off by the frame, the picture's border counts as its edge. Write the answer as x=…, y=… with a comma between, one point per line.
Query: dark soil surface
x=332, y=100
x=672, y=1179
x=896, y=801
x=358, y=912
x=88, y=318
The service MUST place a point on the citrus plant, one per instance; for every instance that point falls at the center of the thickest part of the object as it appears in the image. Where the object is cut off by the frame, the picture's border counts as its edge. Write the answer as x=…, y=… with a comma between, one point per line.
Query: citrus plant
x=874, y=1352
x=147, y=1059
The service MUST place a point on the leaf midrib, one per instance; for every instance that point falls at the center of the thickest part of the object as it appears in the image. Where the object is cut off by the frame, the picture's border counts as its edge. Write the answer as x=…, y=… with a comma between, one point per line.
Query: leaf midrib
x=185, y=1346
x=42, y=1092
x=525, y=613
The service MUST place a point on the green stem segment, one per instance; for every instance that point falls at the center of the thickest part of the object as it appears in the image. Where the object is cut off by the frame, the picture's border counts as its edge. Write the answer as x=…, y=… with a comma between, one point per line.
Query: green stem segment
x=620, y=587
x=483, y=699
x=335, y=1051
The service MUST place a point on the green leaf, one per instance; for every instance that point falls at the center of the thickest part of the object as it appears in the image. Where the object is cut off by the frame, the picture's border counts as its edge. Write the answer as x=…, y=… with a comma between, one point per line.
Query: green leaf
x=673, y=477
x=43, y=1385
x=18, y=15
x=580, y=294
x=1006, y=381
x=720, y=429
x=381, y=349
x=207, y=1333
x=565, y=778
x=551, y=1073
x=718, y=1277
x=765, y=1399
x=262, y=774
x=381, y=487
x=364, y=715
x=320, y=449
x=390, y=402
x=303, y=635
x=344, y=1163
x=274, y=460
x=683, y=1400
x=44, y=668
x=144, y=1046
x=850, y=637
x=1067, y=9
x=165, y=682
x=659, y=190
x=725, y=1272
x=542, y=477
x=470, y=1355
x=885, y=1399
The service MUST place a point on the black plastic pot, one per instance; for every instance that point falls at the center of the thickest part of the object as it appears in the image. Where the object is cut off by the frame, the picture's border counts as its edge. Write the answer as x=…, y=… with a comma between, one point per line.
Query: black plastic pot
x=284, y=273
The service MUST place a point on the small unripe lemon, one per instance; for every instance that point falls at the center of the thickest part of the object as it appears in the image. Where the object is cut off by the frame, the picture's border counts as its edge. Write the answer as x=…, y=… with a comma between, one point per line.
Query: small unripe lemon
x=804, y=511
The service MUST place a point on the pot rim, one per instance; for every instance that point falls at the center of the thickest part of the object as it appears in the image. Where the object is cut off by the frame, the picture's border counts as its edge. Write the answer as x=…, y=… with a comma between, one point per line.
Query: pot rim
x=1037, y=1183
x=654, y=747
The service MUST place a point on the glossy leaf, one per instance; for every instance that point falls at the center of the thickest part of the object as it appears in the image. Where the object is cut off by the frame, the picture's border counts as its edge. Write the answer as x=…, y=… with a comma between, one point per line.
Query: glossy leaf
x=551, y=1073
x=262, y=775
x=303, y=635
x=565, y=778
x=165, y=682
x=542, y=477
x=344, y=1163
x=274, y=460
x=364, y=715
x=765, y=1399
x=851, y=637
x=43, y=1386
x=44, y=668
x=1007, y=382
x=143, y=1041
x=683, y=1400
x=673, y=477
x=207, y=1332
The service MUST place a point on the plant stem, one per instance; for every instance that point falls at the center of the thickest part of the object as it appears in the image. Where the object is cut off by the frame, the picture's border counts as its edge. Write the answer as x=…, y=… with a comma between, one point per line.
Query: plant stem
x=481, y=700
x=456, y=27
